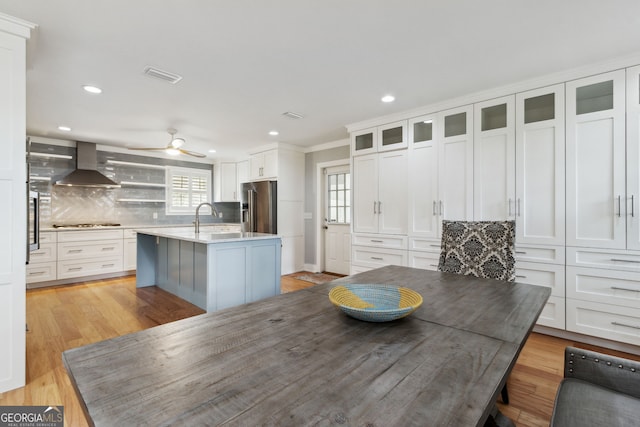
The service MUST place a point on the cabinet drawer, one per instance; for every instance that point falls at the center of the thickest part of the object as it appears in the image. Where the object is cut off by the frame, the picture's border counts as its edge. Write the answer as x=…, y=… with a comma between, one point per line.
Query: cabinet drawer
x=610, y=259
x=89, y=235
x=427, y=245
x=549, y=275
x=546, y=254
x=424, y=260
x=129, y=233
x=553, y=313
x=375, y=257
x=46, y=253
x=605, y=286
x=83, y=250
x=48, y=237
x=611, y=322
x=355, y=269
x=41, y=272
x=79, y=268
x=380, y=241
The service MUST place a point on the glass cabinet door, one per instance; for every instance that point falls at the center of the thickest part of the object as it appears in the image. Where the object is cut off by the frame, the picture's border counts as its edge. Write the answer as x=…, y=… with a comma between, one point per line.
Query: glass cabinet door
x=421, y=130
x=392, y=136
x=364, y=141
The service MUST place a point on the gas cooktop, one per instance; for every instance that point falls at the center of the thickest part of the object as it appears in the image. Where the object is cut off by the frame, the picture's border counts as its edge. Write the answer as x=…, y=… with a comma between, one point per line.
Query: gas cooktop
x=85, y=225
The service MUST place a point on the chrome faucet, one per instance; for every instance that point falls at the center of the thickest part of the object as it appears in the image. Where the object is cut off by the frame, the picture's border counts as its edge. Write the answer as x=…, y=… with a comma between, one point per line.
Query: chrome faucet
x=197, y=221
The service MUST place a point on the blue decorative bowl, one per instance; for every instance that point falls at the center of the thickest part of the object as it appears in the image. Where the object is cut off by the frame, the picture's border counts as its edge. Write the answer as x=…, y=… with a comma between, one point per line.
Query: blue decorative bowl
x=375, y=303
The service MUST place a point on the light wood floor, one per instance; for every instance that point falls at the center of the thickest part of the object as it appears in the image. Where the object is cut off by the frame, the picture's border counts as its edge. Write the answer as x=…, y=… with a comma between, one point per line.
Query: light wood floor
x=66, y=317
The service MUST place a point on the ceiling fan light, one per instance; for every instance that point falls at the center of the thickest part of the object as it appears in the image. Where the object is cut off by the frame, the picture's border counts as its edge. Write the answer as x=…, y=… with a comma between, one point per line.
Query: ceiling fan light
x=172, y=151
x=177, y=142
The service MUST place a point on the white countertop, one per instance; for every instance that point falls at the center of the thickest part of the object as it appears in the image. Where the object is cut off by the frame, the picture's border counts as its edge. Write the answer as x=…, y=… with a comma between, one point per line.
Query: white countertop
x=207, y=226
x=205, y=236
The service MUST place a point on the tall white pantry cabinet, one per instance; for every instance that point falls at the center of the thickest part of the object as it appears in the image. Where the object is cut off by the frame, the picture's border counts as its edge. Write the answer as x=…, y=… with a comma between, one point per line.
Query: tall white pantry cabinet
x=561, y=160
x=13, y=190
x=603, y=261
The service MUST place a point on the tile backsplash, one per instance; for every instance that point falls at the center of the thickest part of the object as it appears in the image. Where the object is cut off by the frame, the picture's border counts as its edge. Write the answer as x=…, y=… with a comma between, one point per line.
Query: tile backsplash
x=133, y=204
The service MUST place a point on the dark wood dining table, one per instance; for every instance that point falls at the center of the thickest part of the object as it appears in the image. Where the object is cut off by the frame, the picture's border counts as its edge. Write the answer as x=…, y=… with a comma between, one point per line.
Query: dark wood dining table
x=295, y=360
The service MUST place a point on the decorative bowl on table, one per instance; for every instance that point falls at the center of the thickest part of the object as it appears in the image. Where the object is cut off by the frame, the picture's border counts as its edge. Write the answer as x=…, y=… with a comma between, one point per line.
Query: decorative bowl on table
x=375, y=303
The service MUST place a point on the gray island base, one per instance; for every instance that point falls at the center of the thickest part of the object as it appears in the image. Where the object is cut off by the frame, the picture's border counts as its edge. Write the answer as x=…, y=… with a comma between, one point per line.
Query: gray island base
x=211, y=270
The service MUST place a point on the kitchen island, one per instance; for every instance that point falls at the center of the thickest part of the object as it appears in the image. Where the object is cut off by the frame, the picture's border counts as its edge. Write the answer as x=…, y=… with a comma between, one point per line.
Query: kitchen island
x=213, y=270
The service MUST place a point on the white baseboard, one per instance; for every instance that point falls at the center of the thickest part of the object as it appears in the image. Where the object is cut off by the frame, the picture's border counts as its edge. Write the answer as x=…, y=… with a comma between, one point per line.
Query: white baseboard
x=313, y=268
x=587, y=339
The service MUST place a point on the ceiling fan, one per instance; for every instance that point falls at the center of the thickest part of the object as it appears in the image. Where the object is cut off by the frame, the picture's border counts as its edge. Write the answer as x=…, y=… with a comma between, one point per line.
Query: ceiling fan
x=174, y=147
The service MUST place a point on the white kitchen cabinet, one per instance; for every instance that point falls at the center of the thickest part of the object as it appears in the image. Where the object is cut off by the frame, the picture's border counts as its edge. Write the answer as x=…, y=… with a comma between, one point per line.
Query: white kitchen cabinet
x=88, y=253
x=380, y=193
x=242, y=174
x=228, y=182
x=551, y=276
x=455, y=164
x=129, y=249
x=633, y=158
x=494, y=160
x=42, y=263
x=391, y=136
x=540, y=174
x=424, y=218
x=423, y=260
x=264, y=165
x=595, y=149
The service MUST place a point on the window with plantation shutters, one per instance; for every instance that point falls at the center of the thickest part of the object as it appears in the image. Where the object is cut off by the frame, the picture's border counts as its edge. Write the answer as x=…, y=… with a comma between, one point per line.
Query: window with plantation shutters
x=186, y=189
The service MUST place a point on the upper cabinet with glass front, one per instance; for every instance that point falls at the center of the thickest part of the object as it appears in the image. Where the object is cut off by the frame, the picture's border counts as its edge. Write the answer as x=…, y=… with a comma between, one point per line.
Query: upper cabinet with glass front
x=392, y=136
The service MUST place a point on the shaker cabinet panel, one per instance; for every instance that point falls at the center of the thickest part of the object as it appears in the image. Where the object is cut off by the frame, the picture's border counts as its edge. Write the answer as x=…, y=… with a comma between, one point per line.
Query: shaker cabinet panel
x=540, y=167
x=595, y=138
x=494, y=160
x=632, y=201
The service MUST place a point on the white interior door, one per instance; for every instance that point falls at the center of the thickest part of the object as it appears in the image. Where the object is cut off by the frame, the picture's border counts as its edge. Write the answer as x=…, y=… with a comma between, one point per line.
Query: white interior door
x=337, y=236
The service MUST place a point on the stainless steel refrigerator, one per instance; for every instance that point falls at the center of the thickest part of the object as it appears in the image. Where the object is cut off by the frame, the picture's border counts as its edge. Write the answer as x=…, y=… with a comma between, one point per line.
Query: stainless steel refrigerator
x=259, y=206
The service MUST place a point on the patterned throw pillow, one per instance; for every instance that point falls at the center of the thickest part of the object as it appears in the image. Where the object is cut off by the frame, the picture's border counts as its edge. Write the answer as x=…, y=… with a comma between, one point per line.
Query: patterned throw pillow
x=479, y=248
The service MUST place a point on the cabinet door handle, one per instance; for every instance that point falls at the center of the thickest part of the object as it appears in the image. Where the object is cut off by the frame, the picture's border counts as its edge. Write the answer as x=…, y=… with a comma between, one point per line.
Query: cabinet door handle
x=625, y=260
x=434, y=208
x=374, y=208
x=521, y=252
x=376, y=241
x=625, y=325
x=632, y=207
x=75, y=251
x=518, y=276
x=509, y=203
x=36, y=273
x=617, y=288
x=433, y=265
x=441, y=208
x=75, y=269
x=619, y=206
x=108, y=248
x=107, y=265
x=518, y=208
x=377, y=258
x=379, y=207
x=435, y=246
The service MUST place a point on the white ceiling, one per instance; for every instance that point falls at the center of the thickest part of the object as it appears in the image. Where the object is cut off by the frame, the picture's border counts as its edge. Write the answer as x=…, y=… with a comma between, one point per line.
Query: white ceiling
x=244, y=63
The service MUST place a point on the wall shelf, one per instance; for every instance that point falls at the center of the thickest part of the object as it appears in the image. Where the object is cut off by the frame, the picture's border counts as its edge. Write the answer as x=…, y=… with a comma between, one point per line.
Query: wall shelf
x=142, y=200
x=138, y=165
x=53, y=156
x=142, y=184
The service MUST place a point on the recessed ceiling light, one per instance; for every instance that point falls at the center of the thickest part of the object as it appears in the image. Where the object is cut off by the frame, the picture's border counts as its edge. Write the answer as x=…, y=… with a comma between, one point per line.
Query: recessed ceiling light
x=92, y=89
x=212, y=151
x=64, y=128
x=273, y=132
x=428, y=121
x=388, y=98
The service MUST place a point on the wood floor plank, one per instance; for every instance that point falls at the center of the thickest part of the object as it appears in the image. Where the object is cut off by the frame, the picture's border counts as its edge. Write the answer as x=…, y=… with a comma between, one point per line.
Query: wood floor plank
x=65, y=317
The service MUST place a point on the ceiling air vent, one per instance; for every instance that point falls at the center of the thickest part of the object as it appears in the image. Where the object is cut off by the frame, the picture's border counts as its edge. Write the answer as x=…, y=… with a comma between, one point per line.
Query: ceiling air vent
x=157, y=73
x=292, y=115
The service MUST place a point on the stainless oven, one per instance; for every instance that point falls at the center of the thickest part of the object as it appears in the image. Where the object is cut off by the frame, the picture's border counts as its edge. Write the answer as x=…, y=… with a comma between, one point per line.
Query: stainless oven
x=33, y=222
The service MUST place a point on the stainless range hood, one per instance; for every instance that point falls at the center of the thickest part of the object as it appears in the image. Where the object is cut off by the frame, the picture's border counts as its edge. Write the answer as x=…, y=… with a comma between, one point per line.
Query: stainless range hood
x=86, y=174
